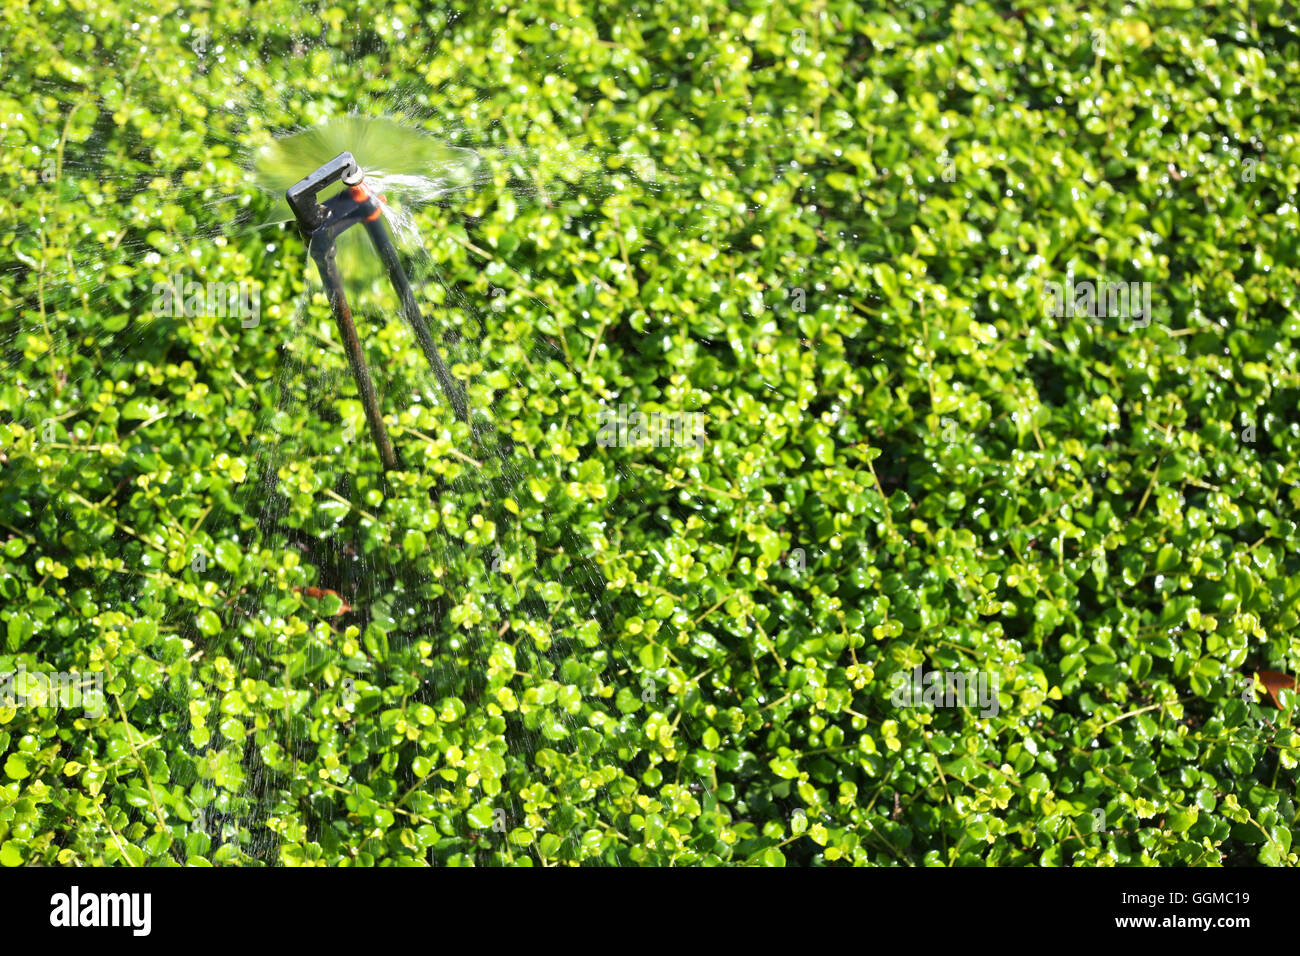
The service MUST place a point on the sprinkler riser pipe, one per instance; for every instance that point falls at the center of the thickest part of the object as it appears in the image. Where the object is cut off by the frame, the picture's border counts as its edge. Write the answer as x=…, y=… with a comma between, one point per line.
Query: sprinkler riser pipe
x=327, y=264
x=383, y=244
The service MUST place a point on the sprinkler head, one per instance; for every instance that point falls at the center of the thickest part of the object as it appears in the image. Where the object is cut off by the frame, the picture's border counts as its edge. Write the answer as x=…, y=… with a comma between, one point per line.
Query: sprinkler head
x=301, y=195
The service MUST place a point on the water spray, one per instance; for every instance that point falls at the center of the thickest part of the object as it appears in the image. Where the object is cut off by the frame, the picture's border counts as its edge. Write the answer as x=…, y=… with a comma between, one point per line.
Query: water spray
x=321, y=224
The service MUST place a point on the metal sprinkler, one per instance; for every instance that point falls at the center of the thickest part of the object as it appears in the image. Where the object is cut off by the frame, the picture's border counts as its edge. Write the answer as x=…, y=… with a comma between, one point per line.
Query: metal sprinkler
x=321, y=224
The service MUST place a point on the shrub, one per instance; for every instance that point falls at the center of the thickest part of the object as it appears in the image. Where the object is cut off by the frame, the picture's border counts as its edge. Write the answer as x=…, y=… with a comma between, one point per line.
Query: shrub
x=832, y=231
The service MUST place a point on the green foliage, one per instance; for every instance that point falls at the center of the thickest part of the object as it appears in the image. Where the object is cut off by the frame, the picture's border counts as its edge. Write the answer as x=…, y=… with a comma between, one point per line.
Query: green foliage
x=827, y=227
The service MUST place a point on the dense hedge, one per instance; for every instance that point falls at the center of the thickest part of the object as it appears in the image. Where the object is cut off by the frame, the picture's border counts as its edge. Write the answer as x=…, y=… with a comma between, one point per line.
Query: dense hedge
x=831, y=228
